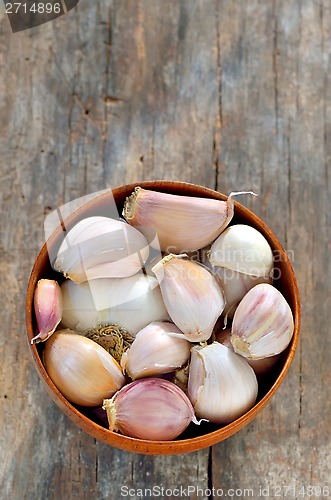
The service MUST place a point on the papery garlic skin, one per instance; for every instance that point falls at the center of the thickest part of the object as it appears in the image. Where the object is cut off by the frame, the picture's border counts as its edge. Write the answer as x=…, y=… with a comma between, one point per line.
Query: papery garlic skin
x=84, y=372
x=181, y=223
x=244, y=249
x=260, y=366
x=221, y=386
x=262, y=324
x=48, y=308
x=155, y=351
x=131, y=302
x=151, y=408
x=101, y=247
x=192, y=296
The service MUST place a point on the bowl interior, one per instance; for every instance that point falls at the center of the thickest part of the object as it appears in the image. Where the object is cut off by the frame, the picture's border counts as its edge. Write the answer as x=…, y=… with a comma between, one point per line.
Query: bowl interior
x=195, y=437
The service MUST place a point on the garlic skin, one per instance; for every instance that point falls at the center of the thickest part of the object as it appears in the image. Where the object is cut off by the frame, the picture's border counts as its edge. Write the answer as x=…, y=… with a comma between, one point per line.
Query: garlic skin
x=262, y=324
x=155, y=351
x=181, y=223
x=150, y=408
x=221, y=386
x=101, y=247
x=244, y=249
x=191, y=295
x=84, y=372
x=48, y=308
x=131, y=302
x=260, y=366
x=235, y=285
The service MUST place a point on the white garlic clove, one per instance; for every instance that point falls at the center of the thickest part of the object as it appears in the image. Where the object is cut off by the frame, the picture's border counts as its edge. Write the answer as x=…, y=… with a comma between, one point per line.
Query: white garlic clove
x=155, y=351
x=131, y=302
x=191, y=295
x=235, y=285
x=263, y=323
x=151, y=408
x=260, y=366
x=244, y=249
x=83, y=371
x=181, y=223
x=101, y=247
x=48, y=308
x=221, y=386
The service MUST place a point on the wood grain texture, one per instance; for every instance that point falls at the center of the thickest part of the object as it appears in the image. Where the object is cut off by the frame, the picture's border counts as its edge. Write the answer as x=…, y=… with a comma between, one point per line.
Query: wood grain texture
x=228, y=94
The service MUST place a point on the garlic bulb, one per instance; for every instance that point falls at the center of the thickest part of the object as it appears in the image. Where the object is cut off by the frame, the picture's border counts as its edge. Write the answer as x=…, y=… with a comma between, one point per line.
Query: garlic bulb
x=260, y=366
x=131, y=302
x=181, y=223
x=235, y=285
x=48, y=308
x=244, y=249
x=150, y=408
x=221, y=386
x=101, y=247
x=82, y=370
x=155, y=351
x=263, y=323
x=191, y=295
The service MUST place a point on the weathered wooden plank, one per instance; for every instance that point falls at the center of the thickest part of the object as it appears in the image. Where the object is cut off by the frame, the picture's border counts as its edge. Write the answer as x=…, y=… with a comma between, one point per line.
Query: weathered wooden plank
x=118, y=91
x=111, y=93
x=275, y=139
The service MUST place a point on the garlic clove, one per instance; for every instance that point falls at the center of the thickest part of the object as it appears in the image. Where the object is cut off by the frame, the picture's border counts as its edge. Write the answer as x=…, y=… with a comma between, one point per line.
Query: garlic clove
x=260, y=366
x=151, y=408
x=101, y=247
x=263, y=323
x=181, y=223
x=155, y=351
x=83, y=371
x=235, y=285
x=191, y=295
x=244, y=249
x=48, y=308
x=131, y=302
x=221, y=386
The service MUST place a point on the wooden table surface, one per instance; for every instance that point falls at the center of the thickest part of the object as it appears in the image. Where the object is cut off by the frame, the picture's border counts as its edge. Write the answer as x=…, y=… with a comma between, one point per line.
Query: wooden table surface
x=228, y=94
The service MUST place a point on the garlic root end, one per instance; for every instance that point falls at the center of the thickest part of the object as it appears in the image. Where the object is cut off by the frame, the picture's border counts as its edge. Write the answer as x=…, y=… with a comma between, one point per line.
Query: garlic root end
x=110, y=406
x=241, y=346
x=129, y=204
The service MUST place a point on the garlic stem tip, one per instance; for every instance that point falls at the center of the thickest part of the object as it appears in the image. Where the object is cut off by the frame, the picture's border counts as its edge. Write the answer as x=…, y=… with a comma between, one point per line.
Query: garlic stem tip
x=238, y=193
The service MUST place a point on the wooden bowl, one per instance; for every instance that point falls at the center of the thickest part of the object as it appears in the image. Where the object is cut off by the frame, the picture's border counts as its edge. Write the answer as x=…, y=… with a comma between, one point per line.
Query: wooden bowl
x=195, y=437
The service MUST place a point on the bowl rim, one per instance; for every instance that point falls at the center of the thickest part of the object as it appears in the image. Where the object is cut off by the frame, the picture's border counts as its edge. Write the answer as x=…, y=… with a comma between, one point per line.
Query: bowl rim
x=139, y=445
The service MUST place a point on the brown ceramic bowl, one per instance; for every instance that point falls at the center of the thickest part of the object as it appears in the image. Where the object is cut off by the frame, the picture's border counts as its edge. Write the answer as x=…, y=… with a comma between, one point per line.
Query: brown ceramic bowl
x=195, y=437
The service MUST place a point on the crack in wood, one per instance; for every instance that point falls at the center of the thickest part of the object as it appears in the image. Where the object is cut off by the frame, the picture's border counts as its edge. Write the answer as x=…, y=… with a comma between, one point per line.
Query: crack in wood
x=107, y=82
x=275, y=63
x=210, y=472
x=219, y=121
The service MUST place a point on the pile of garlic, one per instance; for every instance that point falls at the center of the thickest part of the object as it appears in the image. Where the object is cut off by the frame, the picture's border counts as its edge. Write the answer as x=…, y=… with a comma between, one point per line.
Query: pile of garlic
x=172, y=274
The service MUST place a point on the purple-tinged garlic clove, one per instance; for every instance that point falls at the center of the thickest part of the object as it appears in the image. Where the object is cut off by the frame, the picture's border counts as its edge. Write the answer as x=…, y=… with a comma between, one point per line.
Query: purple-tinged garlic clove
x=191, y=294
x=48, y=308
x=155, y=351
x=260, y=366
x=181, y=223
x=263, y=323
x=151, y=408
